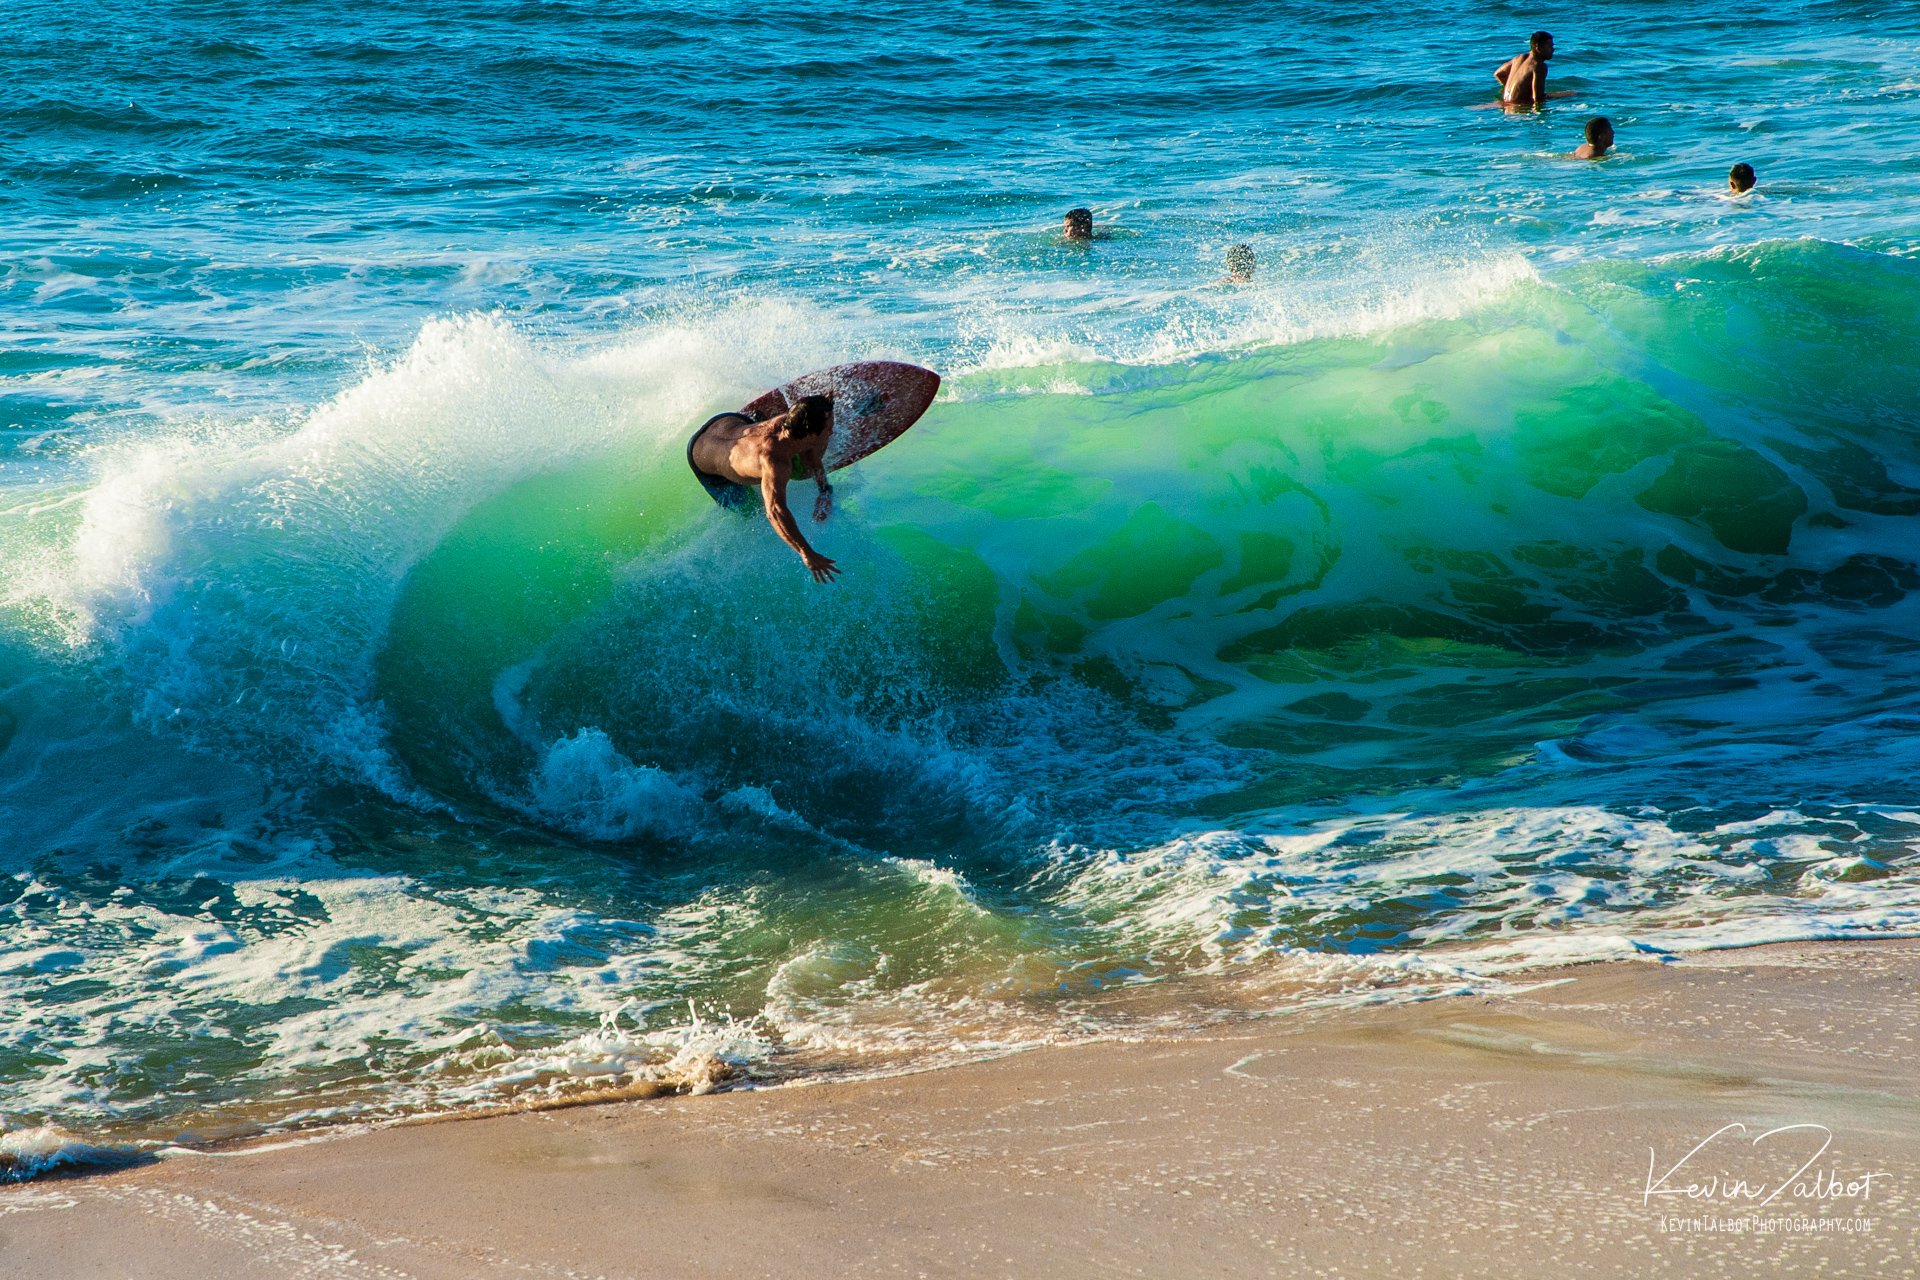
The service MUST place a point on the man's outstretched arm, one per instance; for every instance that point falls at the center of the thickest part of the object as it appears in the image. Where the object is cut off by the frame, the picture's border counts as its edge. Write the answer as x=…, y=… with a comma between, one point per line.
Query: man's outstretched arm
x=773, y=492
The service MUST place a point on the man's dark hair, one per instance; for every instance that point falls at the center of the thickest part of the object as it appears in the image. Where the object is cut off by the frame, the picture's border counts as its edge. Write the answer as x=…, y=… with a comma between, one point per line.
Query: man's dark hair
x=811, y=416
x=1080, y=223
x=1537, y=39
x=1596, y=126
x=1742, y=175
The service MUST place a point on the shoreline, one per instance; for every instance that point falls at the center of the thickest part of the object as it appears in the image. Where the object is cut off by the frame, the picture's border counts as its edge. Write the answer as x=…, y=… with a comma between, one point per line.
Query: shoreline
x=1444, y=1137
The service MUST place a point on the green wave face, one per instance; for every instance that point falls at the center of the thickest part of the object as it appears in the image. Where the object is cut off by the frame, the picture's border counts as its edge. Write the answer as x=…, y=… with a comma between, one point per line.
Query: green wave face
x=1392, y=558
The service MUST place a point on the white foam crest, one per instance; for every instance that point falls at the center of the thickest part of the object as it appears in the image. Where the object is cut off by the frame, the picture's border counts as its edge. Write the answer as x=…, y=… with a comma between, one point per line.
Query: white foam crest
x=758, y=802
x=32, y=1150
x=939, y=879
x=1492, y=890
x=705, y=358
x=1011, y=348
x=1285, y=317
x=1279, y=311
x=456, y=413
x=585, y=785
x=698, y=1056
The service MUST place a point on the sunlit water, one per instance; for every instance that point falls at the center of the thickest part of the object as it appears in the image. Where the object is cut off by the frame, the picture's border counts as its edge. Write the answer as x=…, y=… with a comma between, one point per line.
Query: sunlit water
x=1521, y=569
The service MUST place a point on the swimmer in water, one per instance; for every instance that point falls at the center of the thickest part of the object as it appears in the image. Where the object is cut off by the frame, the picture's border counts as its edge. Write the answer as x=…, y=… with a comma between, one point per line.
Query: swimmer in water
x=732, y=455
x=1740, y=178
x=1523, y=79
x=1599, y=140
x=1240, y=264
x=1077, y=226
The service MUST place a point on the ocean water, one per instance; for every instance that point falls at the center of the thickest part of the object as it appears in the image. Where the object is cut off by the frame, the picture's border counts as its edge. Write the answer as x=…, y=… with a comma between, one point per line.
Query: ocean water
x=1521, y=569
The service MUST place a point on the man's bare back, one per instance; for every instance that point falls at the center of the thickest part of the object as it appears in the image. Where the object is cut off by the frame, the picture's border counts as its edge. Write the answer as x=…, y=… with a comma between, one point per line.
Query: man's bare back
x=765, y=456
x=1523, y=79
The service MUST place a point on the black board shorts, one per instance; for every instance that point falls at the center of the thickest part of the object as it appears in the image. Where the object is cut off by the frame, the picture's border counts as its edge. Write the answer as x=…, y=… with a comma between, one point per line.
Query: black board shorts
x=725, y=492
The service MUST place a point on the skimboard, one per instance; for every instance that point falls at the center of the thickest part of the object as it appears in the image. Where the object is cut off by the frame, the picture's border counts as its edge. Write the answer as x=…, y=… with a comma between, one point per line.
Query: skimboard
x=874, y=401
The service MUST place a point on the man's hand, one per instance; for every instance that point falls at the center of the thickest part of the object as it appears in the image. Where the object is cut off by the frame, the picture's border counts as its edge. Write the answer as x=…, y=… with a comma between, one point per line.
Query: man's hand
x=823, y=505
x=823, y=569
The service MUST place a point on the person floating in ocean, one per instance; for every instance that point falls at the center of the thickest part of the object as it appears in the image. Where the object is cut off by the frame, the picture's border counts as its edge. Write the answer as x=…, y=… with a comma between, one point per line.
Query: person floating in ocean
x=1599, y=140
x=1240, y=264
x=1078, y=224
x=1740, y=178
x=732, y=454
x=1523, y=78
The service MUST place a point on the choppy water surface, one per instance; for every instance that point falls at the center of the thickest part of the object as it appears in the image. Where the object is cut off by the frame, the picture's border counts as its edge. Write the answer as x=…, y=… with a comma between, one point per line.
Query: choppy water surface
x=1521, y=569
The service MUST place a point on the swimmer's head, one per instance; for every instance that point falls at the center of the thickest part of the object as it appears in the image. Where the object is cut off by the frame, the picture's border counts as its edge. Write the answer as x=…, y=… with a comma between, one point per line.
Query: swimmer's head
x=1740, y=178
x=810, y=417
x=1540, y=45
x=1240, y=263
x=1600, y=133
x=1078, y=224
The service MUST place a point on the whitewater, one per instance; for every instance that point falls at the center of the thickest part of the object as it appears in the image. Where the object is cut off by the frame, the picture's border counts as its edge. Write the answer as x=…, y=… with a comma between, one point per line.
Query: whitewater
x=1520, y=570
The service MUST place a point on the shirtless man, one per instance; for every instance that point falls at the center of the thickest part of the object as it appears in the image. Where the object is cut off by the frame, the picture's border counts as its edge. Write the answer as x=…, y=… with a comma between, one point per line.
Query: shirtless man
x=1523, y=79
x=732, y=455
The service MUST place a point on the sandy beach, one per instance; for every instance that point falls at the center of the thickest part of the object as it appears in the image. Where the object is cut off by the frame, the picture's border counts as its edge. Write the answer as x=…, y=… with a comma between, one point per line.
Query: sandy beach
x=1629, y=1119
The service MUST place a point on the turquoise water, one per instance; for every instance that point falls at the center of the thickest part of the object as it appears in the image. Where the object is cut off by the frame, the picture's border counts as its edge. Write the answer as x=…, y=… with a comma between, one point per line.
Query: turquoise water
x=1520, y=569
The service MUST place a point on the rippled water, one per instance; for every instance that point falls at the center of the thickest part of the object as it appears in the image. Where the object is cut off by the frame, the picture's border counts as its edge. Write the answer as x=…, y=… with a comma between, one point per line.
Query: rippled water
x=1520, y=569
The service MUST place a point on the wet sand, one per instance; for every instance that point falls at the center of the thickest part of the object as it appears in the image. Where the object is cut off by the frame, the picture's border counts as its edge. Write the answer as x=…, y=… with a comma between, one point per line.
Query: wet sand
x=1515, y=1135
